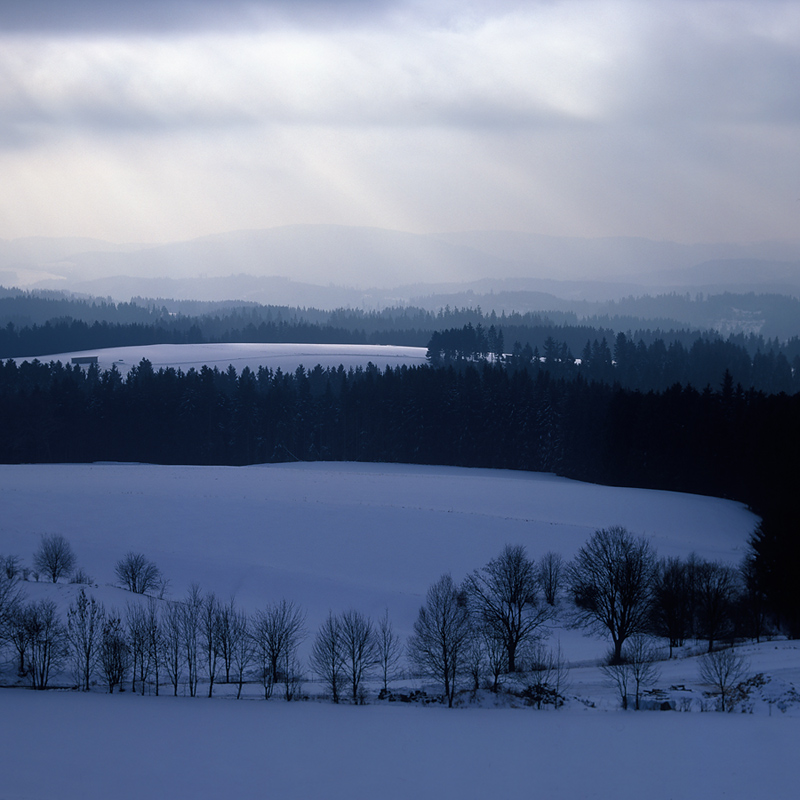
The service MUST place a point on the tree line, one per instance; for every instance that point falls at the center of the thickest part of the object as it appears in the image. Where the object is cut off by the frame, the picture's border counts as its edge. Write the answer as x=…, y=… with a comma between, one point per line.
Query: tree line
x=483, y=633
x=725, y=442
x=32, y=326
x=633, y=365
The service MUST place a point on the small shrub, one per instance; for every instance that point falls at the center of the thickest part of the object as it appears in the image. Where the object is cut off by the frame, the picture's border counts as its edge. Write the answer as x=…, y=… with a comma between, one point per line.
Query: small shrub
x=723, y=669
x=82, y=577
x=11, y=566
x=54, y=557
x=138, y=574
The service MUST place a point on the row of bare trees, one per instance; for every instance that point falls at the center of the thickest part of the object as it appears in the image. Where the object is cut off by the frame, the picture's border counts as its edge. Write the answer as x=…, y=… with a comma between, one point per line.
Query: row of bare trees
x=489, y=626
x=153, y=642
x=481, y=629
x=52, y=560
x=349, y=648
x=620, y=588
x=202, y=636
x=55, y=559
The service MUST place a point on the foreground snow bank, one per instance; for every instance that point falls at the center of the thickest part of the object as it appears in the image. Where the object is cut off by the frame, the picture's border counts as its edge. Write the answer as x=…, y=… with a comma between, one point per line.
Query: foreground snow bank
x=64, y=745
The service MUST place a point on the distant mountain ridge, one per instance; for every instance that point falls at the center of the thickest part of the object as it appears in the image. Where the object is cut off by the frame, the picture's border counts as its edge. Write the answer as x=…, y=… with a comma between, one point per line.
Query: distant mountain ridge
x=290, y=264
x=618, y=257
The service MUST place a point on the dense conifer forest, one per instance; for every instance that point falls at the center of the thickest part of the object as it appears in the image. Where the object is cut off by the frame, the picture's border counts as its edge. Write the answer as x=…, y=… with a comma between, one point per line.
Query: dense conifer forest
x=33, y=325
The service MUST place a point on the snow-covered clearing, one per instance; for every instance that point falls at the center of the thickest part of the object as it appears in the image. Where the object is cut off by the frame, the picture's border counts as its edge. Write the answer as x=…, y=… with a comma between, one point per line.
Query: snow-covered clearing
x=286, y=357
x=371, y=536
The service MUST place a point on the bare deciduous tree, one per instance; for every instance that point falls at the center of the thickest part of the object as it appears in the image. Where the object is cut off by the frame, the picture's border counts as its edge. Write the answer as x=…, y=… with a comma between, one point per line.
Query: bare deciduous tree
x=10, y=595
x=441, y=635
x=172, y=644
x=641, y=655
x=226, y=614
x=292, y=676
x=17, y=635
x=277, y=632
x=636, y=668
x=495, y=654
x=610, y=579
x=10, y=567
x=209, y=637
x=618, y=676
x=154, y=641
x=138, y=638
x=550, y=675
x=55, y=557
x=114, y=651
x=486, y=652
x=241, y=645
x=390, y=649
x=671, y=609
x=138, y=574
x=359, y=650
x=85, y=619
x=190, y=633
x=551, y=575
x=504, y=597
x=47, y=641
x=327, y=657
x=475, y=660
x=715, y=590
x=723, y=669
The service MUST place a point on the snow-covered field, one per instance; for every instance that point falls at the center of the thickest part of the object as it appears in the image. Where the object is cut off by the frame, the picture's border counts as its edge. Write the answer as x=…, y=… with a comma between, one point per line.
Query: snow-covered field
x=369, y=536
x=287, y=357
x=332, y=536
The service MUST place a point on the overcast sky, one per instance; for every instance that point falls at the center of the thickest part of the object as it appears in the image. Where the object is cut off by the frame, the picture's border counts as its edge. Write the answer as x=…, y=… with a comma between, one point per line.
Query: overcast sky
x=169, y=119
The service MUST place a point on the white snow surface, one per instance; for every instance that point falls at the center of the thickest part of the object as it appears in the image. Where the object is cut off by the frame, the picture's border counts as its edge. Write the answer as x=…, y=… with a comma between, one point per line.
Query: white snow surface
x=373, y=536
x=286, y=357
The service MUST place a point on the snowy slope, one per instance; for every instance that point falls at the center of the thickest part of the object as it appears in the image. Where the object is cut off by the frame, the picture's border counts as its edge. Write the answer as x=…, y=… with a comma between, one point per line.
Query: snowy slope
x=332, y=536
x=287, y=357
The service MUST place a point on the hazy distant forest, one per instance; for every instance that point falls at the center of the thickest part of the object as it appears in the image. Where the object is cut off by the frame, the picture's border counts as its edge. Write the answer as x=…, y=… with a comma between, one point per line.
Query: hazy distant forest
x=683, y=411
x=33, y=325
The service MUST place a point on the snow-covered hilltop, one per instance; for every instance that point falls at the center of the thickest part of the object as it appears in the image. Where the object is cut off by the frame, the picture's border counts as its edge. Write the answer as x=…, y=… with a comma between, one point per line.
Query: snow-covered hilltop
x=286, y=357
